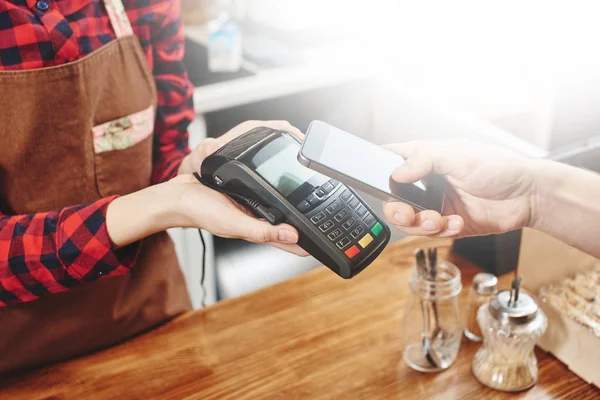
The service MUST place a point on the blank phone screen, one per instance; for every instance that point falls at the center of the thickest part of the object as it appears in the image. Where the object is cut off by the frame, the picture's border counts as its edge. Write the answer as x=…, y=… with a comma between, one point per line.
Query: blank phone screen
x=363, y=161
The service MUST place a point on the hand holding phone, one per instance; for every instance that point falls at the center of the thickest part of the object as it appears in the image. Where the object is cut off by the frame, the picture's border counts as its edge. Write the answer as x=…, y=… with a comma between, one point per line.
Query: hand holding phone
x=365, y=166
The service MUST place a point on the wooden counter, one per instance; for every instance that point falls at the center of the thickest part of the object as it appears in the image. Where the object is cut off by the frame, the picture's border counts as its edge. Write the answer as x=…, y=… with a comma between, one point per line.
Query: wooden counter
x=314, y=337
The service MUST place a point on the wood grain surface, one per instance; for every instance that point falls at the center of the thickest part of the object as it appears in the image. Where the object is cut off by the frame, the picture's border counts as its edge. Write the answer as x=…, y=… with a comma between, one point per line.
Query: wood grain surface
x=313, y=337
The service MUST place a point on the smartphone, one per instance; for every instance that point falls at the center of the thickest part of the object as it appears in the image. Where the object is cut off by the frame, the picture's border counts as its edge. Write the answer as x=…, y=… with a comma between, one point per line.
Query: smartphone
x=365, y=166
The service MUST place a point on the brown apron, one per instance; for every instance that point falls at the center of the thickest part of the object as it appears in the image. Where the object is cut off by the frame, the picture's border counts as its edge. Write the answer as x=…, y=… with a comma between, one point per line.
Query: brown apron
x=69, y=135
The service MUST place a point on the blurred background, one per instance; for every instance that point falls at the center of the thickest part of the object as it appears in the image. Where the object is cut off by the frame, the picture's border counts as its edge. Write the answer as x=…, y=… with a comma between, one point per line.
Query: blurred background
x=521, y=74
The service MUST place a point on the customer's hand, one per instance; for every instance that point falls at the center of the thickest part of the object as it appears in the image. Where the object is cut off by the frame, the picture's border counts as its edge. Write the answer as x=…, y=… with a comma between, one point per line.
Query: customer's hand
x=191, y=163
x=489, y=191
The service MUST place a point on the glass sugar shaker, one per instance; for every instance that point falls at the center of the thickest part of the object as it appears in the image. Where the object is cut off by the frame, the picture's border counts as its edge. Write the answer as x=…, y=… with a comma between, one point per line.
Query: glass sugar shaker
x=484, y=287
x=511, y=324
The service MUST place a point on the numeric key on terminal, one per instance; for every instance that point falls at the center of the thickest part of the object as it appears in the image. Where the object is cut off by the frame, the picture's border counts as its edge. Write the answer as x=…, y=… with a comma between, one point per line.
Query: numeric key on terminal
x=318, y=217
x=357, y=231
x=341, y=215
x=335, y=234
x=325, y=226
x=348, y=223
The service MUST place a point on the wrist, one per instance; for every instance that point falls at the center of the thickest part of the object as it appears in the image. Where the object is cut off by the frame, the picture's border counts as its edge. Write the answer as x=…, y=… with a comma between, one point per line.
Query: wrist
x=184, y=167
x=547, y=179
x=163, y=206
x=534, y=170
x=140, y=214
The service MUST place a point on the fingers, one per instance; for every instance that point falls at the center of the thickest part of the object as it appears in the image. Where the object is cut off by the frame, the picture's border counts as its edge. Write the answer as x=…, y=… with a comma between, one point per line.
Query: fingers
x=210, y=145
x=285, y=126
x=192, y=163
x=427, y=224
x=259, y=231
x=291, y=248
x=400, y=214
x=403, y=216
x=275, y=124
x=424, y=223
x=282, y=236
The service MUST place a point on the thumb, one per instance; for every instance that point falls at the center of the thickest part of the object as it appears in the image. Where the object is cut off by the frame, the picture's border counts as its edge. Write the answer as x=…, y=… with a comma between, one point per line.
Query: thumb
x=415, y=168
x=259, y=231
x=417, y=164
x=423, y=158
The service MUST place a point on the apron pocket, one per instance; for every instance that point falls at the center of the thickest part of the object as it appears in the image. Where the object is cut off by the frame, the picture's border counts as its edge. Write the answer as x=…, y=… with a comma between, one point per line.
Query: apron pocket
x=123, y=153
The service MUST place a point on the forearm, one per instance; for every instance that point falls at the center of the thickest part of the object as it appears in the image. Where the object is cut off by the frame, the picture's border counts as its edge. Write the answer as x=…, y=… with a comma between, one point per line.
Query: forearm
x=566, y=205
x=138, y=215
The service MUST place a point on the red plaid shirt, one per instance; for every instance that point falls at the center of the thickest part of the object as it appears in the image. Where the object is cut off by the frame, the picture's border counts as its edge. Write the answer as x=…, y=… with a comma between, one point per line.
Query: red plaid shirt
x=54, y=251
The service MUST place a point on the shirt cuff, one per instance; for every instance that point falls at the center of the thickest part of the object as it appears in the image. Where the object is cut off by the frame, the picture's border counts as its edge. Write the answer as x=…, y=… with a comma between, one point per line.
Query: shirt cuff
x=84, y=247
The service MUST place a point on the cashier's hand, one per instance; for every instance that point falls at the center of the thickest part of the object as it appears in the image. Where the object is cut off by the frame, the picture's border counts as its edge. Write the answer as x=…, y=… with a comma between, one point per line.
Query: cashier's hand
x=490, y=189
x=191, y=163
x=197, y=206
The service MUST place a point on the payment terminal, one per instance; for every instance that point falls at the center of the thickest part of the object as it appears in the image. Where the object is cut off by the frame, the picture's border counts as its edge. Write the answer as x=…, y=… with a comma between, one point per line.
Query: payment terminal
x=259, y=170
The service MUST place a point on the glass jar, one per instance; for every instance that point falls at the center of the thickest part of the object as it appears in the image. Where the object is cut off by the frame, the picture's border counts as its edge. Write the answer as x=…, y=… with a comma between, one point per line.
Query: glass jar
x=511, y=325
x=483, y=289
x=432, y=328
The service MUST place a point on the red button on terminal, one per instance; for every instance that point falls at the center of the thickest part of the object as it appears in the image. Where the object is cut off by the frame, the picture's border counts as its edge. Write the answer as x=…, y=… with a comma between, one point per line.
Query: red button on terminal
x=352, y=251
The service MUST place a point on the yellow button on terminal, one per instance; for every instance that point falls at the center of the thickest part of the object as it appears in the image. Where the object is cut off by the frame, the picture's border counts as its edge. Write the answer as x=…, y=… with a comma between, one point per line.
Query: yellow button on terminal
x=364, y=242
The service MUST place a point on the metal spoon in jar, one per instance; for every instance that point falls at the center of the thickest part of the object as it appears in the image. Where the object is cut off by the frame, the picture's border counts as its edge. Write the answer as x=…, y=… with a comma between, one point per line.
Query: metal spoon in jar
x=439, y=336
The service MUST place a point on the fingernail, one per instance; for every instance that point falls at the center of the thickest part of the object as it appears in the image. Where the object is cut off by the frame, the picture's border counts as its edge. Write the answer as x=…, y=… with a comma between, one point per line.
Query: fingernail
x=400, y=219
x=429, y=225
x=287, y=236
x=453, y=225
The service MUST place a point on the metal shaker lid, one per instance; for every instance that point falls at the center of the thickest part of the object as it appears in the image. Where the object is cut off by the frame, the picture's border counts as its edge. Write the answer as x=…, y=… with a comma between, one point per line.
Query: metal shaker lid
x=514, y=306
x=485, y=283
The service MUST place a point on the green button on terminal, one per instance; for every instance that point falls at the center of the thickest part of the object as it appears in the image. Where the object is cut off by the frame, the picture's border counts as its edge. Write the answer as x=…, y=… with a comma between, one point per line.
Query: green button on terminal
x=376, y=230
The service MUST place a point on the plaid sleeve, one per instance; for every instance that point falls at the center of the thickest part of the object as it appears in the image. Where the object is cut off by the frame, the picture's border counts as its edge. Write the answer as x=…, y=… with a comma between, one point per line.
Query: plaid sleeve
x=55, y=251
x=175, y=91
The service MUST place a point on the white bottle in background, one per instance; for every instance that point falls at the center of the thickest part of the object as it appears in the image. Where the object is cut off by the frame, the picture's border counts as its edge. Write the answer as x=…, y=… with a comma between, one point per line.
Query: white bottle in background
x=224, y=40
